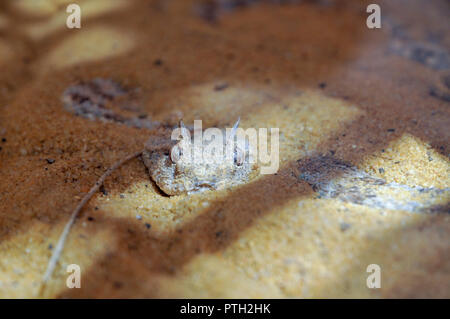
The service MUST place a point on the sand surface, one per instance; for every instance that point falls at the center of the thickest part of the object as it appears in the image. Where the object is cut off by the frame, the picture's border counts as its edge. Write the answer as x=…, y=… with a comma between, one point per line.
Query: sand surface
x=353, y=105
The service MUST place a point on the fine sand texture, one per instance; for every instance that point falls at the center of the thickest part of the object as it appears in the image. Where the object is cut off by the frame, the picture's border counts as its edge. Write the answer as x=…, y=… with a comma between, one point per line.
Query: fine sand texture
x=364, y=170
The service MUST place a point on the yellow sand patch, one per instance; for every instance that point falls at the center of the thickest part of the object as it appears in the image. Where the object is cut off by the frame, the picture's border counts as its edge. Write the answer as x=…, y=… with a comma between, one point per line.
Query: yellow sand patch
x=165, y=214
x=39, y=8
x=20, y=266
x=213, y=275
x=410, y=161
x=303, y=250
x=304, y=121
x=87, y=45
x=89, y=9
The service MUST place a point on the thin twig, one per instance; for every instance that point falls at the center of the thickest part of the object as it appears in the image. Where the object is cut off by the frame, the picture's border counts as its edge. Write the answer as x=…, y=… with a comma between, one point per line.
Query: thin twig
x=62, y=239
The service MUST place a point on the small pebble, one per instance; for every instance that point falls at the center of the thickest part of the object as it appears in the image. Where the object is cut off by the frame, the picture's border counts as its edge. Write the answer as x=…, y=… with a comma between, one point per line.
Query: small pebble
x=148, y=225
x=344, y=226
x=381, y=170
x=138, y=217
x=220, y=87
x=50, y=160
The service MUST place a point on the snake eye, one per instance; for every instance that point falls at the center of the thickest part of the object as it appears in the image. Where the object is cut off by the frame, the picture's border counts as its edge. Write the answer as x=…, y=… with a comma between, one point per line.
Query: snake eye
x=176, y=153
x=239, y=157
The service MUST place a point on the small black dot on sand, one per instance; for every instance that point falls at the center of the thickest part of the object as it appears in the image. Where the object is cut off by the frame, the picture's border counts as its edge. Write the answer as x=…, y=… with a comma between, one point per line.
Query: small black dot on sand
x=3, y=140
x=50, y=160
x=220, y=87
x=322, y=85
x=158, y=62
x=103, y=190
x=118, y=284
x=148, y=225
